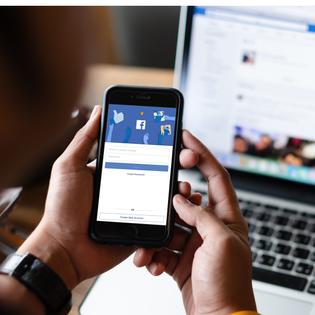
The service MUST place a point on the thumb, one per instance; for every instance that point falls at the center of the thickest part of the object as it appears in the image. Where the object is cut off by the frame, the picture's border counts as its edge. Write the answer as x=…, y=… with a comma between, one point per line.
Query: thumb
x=77, y=152
x=206, y=223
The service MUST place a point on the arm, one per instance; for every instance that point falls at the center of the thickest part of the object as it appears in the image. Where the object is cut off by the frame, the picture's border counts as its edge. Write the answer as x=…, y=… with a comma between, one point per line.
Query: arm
x=61, y=239
x=15, y=298
x=213, y=270
x=64, y=226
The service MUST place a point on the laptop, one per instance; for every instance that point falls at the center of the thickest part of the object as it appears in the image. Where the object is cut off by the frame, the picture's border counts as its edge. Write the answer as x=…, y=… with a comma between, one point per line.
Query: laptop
x=246, y=73
x=247, y=77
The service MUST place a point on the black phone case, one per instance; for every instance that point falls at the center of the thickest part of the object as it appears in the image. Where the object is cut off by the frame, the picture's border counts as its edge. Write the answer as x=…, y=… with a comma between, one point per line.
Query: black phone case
x=174, y=179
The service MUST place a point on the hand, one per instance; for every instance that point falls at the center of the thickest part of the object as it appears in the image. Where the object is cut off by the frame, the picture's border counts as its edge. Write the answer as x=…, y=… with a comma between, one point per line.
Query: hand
x=61, y=239
x=64, y=227
x=213, y=270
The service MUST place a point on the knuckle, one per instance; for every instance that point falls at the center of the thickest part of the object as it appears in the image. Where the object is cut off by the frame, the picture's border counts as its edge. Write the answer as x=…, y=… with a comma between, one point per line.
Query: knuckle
x=62, y=164
x=57, y=164
x=201, y=215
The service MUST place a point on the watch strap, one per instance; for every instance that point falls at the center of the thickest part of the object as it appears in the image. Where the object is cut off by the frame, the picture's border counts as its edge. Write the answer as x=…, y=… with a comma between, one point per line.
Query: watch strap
x=39, y=278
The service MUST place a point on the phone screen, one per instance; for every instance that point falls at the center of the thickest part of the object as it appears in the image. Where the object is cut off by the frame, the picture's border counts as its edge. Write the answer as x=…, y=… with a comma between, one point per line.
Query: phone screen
x=137, y=163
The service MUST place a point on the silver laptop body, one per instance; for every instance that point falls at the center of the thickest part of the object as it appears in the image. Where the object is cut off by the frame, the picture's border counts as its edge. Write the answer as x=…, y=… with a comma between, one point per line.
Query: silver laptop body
x=247, y=77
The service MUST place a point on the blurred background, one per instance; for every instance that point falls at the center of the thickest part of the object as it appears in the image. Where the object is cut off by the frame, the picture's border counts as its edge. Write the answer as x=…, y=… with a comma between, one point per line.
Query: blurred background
x=129, y=45
x=124, y=40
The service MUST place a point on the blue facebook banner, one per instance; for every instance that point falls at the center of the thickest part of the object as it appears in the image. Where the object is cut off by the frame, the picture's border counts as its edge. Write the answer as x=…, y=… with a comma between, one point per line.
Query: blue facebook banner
x=140, y=124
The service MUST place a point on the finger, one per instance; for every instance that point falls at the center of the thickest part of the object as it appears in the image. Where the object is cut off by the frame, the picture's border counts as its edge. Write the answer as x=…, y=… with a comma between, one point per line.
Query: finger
x=188, y=158
x=181, y=225
x=163, y=261
x=195, y=198
x=179, y=240
x=221, y=194
x=184, y=189
x=205, y=222
x=186, y=259
x=78, y=150
x=92, y=165
x=143, y=256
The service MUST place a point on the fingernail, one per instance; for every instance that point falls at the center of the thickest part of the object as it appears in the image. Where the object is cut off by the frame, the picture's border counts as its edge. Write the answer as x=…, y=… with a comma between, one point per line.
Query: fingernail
x=153, y=268
x=180, y=199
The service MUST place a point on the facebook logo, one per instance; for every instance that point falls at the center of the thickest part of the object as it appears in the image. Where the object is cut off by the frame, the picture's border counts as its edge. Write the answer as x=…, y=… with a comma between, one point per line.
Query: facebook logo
x=140, y=124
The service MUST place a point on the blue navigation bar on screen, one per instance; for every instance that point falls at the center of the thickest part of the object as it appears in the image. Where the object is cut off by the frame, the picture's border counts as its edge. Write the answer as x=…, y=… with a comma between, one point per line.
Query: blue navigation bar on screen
x=138, y=167
x=200, y=10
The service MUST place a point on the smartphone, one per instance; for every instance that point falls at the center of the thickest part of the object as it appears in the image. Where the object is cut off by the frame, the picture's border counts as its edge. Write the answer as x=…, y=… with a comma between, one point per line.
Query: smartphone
x=137, y=166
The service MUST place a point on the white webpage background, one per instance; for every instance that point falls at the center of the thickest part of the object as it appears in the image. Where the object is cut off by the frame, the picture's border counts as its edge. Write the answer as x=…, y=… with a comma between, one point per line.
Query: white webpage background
x=135, y=196
x=278, y=91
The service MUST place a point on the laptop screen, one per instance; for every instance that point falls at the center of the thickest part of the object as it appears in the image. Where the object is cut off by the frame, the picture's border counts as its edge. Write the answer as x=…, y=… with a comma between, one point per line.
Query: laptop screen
x=250, y=89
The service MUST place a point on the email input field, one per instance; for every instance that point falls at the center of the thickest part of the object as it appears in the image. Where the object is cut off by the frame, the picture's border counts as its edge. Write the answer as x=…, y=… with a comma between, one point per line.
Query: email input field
x=138, y=154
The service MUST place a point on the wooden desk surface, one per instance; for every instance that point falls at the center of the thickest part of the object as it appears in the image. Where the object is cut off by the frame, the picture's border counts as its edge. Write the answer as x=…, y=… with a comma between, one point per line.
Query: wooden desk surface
x=98, y=78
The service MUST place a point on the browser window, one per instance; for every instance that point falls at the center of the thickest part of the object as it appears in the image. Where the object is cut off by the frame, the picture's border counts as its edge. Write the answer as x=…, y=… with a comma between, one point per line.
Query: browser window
x=250, y=90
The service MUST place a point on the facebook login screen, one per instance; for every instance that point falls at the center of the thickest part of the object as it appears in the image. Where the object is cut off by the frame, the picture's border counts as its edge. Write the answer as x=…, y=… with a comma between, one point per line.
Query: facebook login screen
x=137, y=164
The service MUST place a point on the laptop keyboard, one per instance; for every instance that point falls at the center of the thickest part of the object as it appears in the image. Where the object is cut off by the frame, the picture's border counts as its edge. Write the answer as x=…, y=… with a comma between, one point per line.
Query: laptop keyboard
x=283, y=245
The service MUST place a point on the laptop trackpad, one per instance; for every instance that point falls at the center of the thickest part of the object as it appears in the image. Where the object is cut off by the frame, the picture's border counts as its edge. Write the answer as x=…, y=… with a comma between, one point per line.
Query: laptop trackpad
x=271, y=304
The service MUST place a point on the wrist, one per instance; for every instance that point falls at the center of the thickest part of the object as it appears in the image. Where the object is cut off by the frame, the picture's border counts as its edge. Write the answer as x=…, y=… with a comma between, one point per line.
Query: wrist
x=15, y=298
x=246, y=302
x=50, y=252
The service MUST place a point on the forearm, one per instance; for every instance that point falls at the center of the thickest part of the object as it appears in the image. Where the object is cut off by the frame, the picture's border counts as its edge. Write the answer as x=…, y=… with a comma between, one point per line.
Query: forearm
x=15, y=298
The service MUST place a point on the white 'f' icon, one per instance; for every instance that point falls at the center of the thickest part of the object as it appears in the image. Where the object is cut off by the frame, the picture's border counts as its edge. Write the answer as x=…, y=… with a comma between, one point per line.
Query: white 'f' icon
x=140, y=124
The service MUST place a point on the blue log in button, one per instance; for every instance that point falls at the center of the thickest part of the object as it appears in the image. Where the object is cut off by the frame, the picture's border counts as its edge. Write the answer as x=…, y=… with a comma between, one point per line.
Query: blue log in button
x=138, y=167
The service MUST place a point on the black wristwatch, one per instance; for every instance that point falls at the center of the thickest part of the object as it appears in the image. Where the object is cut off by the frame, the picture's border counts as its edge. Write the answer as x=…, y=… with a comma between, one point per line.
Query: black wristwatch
x=41, y=280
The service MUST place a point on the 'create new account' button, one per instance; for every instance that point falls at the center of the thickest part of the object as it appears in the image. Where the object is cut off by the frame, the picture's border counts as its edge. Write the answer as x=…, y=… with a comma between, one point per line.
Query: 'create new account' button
x=119, y=217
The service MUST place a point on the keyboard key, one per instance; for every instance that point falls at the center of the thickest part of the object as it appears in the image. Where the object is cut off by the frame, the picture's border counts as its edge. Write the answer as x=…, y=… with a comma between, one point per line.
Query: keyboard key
x=311, y=227
x=266, y=260
x=251, y=227
x=280, y=220
x=282, y=249
x=265, y=231
x=251, y=241
x=262, y=216
x=303, y=268
x=248, y=213
x=271, y=207
x=300, y=253
x=302, y=239
x=289, y=211
x=263, y=244
x=253, y=204
x=284, y=235
x=312, y=256
x=311, y=288
x=308, y=215
x=254, y=255
x=281, y=279
x=285, y=264
x=299, y=224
